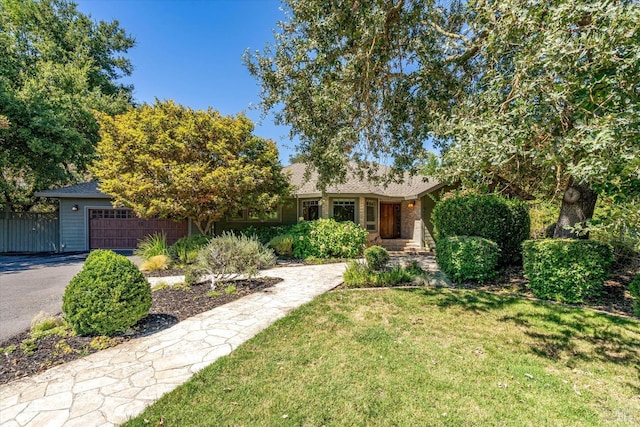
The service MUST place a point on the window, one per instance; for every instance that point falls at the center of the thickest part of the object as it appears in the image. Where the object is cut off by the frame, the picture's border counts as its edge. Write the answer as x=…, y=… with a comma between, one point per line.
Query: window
x=243, y=214
x=372, y=215
x=310, y=210
x=344, y=210
x=111, y=214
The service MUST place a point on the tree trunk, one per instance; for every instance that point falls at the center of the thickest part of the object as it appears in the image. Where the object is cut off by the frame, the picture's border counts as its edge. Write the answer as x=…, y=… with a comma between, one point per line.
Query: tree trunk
x=578, y=204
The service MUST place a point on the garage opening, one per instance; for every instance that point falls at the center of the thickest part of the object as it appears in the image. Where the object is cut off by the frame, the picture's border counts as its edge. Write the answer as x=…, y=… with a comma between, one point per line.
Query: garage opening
x=122, y=229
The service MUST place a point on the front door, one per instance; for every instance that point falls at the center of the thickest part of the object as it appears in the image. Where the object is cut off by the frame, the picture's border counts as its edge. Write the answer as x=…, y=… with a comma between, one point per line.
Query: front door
x=390, y=220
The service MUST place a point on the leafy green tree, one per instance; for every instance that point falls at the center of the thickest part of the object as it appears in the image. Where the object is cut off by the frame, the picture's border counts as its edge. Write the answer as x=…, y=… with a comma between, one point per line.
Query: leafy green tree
x=56, y=66
x=538, y=97
x=175, y=162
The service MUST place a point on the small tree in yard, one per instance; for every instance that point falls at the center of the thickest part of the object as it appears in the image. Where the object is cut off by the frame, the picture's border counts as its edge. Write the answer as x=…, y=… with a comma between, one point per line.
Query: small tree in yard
x=174, y=162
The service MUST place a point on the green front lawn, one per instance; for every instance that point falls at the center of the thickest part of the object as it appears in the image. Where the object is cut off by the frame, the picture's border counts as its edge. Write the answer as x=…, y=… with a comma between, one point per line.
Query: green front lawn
x=420, y=357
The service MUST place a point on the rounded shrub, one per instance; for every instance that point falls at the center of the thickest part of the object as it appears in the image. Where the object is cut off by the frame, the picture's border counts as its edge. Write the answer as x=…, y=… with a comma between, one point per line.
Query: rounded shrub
x=107, y=296
x=504, y=221
x=567, y=270
x=464, y=258
x=228, y=256
x=377, y=257
x=634, y=290
x=328, y=238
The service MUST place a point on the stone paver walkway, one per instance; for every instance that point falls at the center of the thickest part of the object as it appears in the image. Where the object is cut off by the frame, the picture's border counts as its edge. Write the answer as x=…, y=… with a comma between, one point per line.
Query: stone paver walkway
x=109, y=387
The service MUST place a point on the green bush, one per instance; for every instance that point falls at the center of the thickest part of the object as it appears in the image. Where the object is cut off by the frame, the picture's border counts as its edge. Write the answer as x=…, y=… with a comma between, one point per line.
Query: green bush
x=282, y=244
x=634, y=290
x=152, y=245
x=501, y=220
x=229, y=256
x=566, y=270
x=327, y=238
x=265, y=233
x=107, y=296
x=464, y=258
x=358, y=275
x=185, y=249
x=377, y=257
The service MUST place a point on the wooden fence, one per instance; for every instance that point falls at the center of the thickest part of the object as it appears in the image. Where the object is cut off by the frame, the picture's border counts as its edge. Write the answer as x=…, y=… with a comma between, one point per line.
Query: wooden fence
x=29, y=232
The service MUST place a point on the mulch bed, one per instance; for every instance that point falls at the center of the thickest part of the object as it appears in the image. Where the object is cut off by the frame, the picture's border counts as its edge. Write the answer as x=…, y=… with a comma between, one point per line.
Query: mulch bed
x=169, y=307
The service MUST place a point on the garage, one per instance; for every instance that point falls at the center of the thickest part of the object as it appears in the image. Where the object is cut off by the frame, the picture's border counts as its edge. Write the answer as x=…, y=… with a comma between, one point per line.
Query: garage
x=121, y=229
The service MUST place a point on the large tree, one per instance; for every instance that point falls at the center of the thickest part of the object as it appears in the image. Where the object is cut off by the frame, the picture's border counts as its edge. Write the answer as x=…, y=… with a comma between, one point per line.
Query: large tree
x=540, y=97
x=56, y=66
x=174, y=162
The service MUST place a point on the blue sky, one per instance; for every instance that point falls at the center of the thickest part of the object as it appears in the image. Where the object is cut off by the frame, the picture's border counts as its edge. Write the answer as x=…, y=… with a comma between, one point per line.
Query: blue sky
x=191, y=51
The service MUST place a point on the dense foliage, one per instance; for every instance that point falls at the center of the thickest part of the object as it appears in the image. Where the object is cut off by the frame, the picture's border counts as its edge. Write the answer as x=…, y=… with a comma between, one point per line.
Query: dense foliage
x=107, y=296
x=228, y=257
x=56, y=66
x=634, y=290
x=464, y=258
x=566, y=270
x=264, y=233
x=501, y=220
x=185, y=250
x=376, y=257
x=152, y=245
x=359, y=275
x=327, y=238
x=170, y=161
x=539, y=98
x=282, y=244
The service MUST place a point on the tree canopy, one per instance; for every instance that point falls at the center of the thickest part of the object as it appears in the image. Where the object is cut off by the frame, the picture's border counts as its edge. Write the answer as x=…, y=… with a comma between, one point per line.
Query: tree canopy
x=56, y=66
x=541, y=97
x=174, y=162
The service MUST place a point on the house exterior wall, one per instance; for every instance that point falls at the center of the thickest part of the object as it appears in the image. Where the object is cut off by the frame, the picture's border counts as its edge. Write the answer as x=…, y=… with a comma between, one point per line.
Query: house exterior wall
x=411, y=221
x=428, y=232
x=74, y=225
x=288, y=215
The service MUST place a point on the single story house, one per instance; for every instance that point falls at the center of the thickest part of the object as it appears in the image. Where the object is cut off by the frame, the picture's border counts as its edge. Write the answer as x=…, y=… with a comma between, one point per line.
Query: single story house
x=396, y=216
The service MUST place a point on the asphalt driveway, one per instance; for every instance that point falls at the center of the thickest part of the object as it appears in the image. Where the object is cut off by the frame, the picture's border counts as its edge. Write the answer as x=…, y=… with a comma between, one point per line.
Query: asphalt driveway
x=33, y=283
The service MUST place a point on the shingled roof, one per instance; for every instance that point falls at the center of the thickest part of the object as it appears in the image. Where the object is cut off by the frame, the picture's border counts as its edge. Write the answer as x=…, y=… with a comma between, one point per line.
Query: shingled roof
x=412, y=187
x=86, y=190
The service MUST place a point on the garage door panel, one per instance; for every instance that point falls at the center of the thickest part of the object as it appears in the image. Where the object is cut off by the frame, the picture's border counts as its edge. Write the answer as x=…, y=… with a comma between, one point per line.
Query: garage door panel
x=119, y=229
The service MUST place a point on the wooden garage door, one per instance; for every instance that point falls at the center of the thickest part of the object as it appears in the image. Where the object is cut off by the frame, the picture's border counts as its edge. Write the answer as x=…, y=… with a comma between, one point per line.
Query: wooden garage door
x=121, y=229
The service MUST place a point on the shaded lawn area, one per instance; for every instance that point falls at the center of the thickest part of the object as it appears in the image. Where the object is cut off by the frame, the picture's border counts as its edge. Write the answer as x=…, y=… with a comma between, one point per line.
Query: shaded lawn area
x=420, y=357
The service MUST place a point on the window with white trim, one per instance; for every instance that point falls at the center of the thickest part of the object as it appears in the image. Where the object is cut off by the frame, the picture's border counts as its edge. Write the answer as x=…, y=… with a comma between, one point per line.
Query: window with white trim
x=371, y=212
x=344, y=210
x=311, y=210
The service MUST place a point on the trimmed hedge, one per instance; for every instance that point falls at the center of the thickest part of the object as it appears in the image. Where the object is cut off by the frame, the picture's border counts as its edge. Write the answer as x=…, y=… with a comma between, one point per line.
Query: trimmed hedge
x=377, y=257
x=464, y=258
x=634, y=290
x=501, y=220
x=107, y=296
x=566, y=270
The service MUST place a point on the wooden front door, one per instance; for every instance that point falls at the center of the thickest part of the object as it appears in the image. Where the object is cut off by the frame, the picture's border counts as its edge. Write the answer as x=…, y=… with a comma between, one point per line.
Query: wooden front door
x=390, y=220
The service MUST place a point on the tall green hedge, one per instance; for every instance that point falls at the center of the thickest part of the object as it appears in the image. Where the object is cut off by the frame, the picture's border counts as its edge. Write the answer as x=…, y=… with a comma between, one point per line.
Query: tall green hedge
x=504, y=221
x=566, y=270
x=465, y=258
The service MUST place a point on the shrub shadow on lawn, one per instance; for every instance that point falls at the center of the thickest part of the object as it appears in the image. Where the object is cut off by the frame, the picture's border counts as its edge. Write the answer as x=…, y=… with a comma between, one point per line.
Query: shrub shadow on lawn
x=556, y=332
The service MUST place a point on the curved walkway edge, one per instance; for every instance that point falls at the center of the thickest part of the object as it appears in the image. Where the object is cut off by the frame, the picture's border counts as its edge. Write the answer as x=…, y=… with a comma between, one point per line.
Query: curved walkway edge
x=109, y=387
